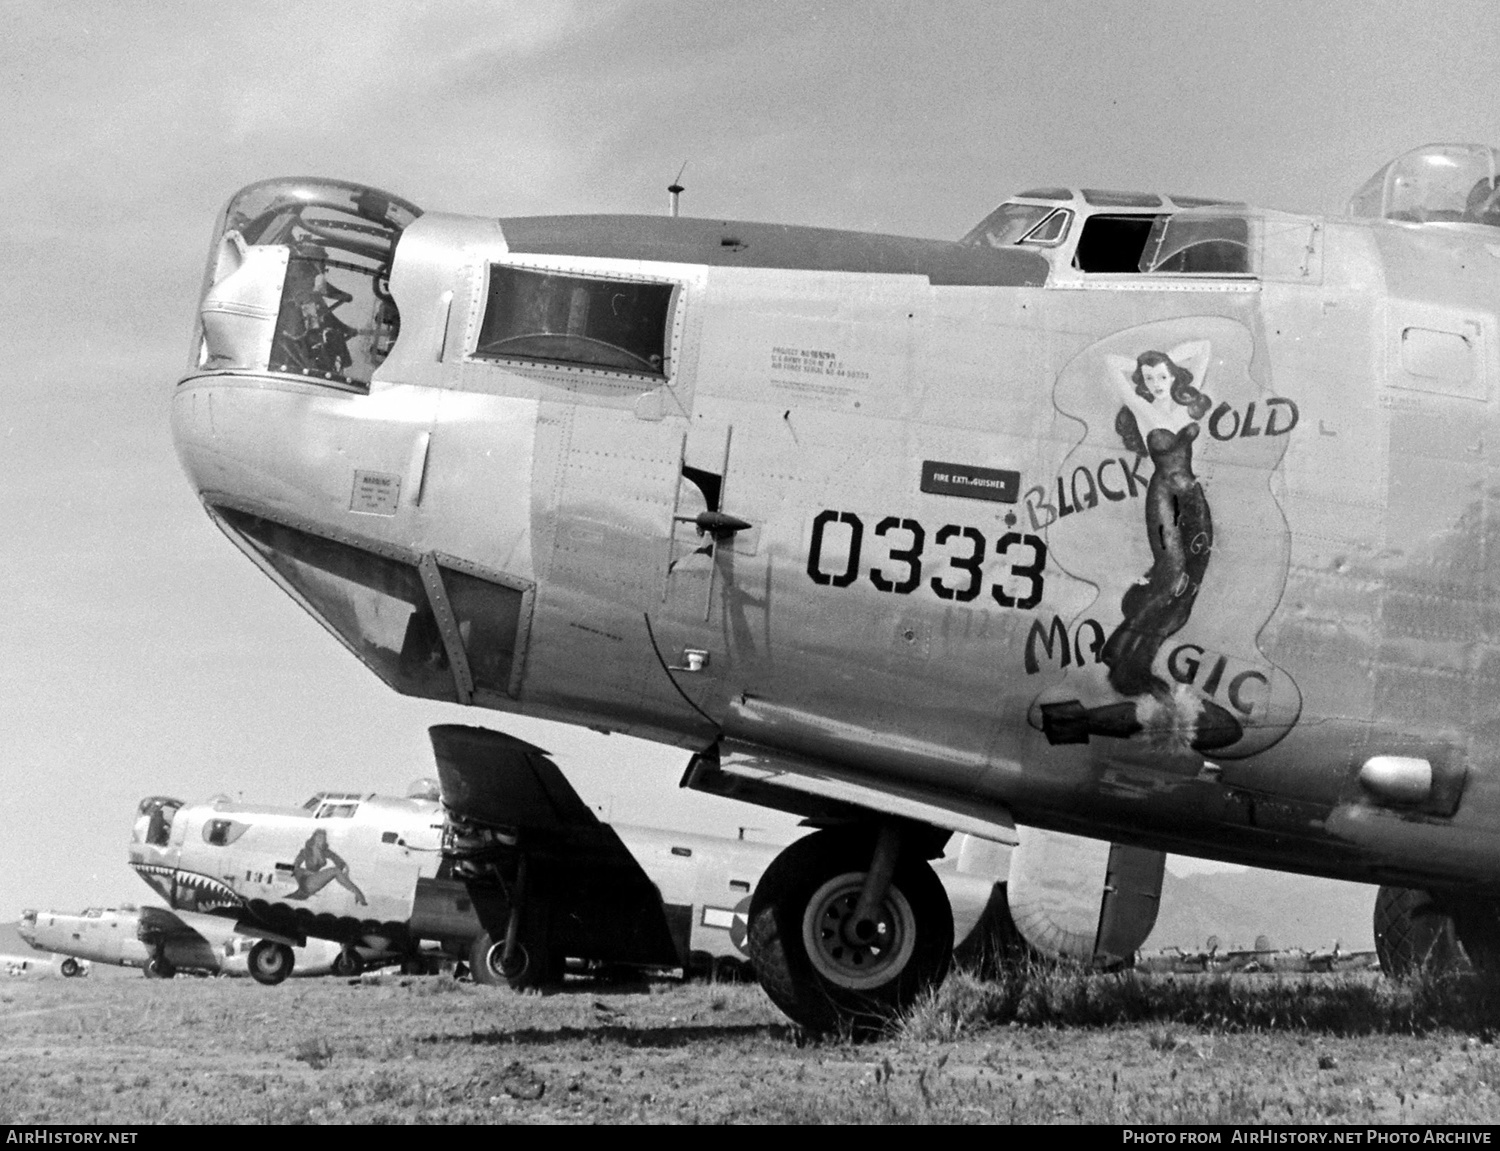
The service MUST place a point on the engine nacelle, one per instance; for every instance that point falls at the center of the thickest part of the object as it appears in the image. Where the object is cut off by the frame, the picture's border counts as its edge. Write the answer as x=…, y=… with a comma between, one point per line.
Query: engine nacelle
x=1083, y=899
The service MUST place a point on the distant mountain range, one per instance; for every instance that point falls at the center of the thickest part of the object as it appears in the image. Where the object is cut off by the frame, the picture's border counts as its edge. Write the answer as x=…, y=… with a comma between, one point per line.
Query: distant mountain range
x=1290, y=910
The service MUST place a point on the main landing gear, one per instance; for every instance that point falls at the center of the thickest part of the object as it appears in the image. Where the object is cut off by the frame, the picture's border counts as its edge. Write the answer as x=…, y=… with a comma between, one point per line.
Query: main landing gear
x=1420, y=931
x=347, y=964
x=848, y=927
x=522, y=957
x=270, y=962
x=158, y=968
x=534, y=966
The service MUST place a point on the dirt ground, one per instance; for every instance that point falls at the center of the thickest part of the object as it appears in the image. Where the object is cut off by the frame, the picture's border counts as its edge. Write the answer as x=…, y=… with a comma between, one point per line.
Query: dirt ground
x=416, y=1050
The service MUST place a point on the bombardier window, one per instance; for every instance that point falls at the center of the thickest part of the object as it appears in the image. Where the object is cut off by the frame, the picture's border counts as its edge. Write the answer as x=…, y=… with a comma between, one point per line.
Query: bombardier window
x=374, y=603
x=159, y=812
x=617, y=325
x=488, y=617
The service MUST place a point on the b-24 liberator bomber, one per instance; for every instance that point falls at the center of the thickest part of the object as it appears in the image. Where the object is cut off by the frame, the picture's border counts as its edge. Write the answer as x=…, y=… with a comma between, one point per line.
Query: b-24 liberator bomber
x=510, y=871
x=158, y=941
x=1162, y=521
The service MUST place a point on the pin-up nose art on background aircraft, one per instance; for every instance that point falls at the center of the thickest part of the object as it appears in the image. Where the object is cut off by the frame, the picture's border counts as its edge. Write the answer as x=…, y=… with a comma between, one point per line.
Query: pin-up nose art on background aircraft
x=1162, y=521
x=511, y=872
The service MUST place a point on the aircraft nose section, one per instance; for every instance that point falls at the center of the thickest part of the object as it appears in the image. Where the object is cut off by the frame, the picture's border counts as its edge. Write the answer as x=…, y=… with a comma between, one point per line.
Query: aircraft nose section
x=192, y=433
x=158, y=878
x=26, y=928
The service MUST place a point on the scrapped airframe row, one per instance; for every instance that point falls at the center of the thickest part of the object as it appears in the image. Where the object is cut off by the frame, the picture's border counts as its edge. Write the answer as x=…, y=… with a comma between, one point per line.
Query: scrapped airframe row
x=352, y=881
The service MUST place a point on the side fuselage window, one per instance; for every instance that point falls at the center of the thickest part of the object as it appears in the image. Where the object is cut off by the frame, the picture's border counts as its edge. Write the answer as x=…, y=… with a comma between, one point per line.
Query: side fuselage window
x=578, y=321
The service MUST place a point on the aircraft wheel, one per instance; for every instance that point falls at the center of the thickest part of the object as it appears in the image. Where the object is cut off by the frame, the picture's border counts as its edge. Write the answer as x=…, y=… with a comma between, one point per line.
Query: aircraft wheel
x=69, y=967
x=159, y=968
x=347, y=963
x=270, y=962
x=1477, y=922
x=807, y=953
x=1413, y=933
x=484, y=960
x=529, y=966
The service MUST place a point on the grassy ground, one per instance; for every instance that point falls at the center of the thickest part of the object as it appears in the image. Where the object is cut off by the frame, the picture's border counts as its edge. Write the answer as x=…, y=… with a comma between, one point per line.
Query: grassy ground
x=1038, y=1047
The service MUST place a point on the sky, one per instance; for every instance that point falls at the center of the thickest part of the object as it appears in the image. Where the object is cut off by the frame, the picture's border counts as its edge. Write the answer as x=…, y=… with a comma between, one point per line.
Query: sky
x=141, y=654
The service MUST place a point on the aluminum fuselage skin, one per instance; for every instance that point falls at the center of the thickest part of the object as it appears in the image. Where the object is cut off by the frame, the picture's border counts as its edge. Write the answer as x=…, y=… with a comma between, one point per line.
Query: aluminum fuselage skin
x=1346, y=610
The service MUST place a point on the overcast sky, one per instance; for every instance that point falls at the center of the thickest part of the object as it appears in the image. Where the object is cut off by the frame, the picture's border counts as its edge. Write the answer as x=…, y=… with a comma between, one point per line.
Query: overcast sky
x=143, y=655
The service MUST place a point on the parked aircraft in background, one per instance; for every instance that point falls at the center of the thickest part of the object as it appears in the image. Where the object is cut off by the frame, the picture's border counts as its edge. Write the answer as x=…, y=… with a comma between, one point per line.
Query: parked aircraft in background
x=158, y=941
x=551, y=881
x=1162, y=521
x=68, y=967
x=350, y=868
x=524, y=860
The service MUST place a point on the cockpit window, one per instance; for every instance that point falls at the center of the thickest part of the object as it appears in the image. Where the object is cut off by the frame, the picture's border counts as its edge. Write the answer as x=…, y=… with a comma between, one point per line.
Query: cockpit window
x=1103, y=198
x=1235, y=241
x=299, y=281
x=576, y=321
x=1013, y=223
x=1199, y=243
x=336, y=811
x=1112, y=244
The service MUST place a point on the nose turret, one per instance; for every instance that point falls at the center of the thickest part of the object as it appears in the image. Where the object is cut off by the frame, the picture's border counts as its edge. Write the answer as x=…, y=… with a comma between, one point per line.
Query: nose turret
x=26, y=928
x=296, y=314
x=298, y=282
x=351, y=449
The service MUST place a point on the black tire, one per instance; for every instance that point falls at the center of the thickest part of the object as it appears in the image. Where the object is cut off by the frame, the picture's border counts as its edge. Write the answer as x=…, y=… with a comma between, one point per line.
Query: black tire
x=69, y=967
x=270, y=962
x=530, y=966
x=347, y=964
x=1477, y=924
x=1414, y=933
x=805, y=963
x=159, y=968
x=484, y=961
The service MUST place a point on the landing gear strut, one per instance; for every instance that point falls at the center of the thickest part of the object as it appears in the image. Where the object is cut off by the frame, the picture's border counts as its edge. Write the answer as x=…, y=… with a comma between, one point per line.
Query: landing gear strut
x=159, y=968
x=524, y=967
x=846, y=929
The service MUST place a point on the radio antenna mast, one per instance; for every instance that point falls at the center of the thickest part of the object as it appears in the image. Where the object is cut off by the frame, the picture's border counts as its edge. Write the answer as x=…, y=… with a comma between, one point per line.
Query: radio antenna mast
x=675, y=189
